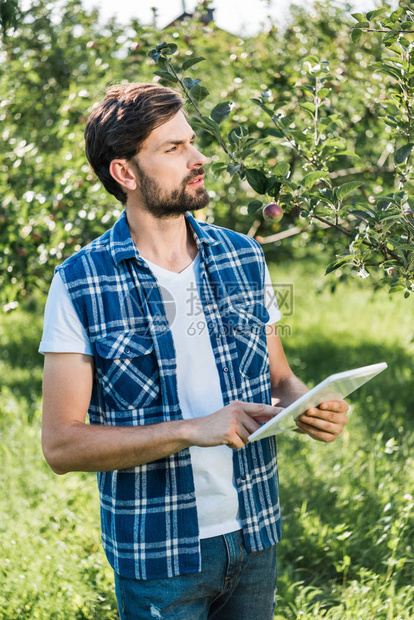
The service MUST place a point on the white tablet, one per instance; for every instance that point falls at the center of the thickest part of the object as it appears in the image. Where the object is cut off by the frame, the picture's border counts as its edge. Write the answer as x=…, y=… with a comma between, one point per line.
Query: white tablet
x=334, y=387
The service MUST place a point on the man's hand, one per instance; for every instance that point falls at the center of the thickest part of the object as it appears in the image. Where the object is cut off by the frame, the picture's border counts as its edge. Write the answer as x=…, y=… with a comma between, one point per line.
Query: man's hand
x=231, y=425
x=326, y=422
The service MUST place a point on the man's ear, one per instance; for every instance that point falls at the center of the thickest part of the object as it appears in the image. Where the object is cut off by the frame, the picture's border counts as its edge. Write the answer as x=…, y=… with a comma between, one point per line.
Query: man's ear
x=122, y=171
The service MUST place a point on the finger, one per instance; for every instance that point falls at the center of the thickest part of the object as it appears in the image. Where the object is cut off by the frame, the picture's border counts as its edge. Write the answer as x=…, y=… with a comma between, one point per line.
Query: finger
x=340, y=406
x=255, y=409
x=237, y=442
x=247, y=426
x=328, y=415
x=235, y=446
x=265, y=418
x=320, y=424
x=312, y=431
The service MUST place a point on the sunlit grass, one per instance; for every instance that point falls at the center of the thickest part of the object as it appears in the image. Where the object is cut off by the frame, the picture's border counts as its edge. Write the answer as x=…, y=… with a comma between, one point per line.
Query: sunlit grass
x=347, y=507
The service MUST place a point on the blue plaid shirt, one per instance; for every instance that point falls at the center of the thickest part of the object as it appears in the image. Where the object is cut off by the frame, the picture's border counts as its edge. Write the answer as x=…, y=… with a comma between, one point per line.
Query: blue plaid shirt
x=148, y=513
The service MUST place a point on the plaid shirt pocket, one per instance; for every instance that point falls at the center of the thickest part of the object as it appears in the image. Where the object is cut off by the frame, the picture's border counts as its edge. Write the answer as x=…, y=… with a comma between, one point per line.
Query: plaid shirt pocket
x=128, y=370
x=249, y=327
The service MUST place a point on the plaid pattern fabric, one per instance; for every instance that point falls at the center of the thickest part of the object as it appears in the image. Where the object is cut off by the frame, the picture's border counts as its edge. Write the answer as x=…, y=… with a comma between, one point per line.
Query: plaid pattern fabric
x=148, y=513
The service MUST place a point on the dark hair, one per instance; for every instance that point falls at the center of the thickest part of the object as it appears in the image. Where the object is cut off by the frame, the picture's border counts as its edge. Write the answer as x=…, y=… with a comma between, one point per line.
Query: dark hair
x=120, y=124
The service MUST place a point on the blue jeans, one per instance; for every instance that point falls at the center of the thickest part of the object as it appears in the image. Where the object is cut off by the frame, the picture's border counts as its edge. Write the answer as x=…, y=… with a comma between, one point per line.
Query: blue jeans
x=232, y=585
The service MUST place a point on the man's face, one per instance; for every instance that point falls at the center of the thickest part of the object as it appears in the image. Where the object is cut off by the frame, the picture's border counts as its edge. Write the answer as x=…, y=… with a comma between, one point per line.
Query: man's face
x=169, y=170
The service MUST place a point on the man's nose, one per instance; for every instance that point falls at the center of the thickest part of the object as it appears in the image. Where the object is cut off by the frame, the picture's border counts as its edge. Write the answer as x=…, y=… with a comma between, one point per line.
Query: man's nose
x=197, y=159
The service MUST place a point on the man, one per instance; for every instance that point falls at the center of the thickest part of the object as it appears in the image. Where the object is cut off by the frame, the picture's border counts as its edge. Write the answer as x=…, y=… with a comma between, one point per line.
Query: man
x=189, y=508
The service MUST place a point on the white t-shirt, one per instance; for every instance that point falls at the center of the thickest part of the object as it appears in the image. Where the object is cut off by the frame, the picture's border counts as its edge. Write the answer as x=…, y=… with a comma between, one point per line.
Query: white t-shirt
x=198, y=381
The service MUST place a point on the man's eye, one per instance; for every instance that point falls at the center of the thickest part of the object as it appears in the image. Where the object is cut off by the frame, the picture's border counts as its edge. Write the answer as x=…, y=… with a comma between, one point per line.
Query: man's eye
x=174, y=148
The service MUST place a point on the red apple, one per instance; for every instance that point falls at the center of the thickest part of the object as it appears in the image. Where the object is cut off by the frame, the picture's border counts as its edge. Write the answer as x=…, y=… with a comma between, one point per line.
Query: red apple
x=272, y=212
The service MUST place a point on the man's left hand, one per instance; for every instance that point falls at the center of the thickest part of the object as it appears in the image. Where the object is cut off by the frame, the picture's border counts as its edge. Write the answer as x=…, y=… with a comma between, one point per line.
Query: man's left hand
x=326, y=422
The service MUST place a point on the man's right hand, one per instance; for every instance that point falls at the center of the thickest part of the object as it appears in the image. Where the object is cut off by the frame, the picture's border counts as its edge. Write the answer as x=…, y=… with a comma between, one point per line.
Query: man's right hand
x=231, y=425
x=70, y=444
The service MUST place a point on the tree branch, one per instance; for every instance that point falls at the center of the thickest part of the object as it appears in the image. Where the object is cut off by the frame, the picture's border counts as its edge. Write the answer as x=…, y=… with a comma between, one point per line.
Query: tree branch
x=352, y=171
x=386, y=31
x=196, y=108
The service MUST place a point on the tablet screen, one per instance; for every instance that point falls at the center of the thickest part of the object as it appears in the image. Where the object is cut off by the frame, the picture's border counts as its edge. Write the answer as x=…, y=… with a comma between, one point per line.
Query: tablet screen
x=334, y=387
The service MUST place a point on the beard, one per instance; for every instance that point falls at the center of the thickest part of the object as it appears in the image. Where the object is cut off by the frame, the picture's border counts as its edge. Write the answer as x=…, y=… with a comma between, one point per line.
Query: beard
x=162, y=204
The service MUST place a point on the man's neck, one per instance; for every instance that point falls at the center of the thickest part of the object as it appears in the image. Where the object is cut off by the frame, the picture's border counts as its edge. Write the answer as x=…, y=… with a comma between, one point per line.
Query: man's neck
x=167, y=242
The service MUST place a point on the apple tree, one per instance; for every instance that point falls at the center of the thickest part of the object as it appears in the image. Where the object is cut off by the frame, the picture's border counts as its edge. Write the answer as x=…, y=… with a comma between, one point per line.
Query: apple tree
x=375, y=219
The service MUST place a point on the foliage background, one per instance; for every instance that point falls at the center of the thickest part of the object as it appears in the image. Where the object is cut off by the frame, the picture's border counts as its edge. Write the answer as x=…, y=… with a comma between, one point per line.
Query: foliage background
x=347, y=549
x=55, y=66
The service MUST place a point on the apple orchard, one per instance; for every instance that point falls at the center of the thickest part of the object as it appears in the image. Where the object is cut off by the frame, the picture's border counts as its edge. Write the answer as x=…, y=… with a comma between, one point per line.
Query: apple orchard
x=312, y=122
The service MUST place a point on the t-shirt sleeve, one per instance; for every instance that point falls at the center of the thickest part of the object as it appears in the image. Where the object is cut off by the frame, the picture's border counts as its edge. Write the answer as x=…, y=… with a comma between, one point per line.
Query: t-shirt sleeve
x=62, y=330
x=270, y=301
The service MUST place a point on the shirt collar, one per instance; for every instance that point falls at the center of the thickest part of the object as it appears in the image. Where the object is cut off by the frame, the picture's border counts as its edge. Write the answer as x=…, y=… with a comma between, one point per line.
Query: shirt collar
x=122, y=246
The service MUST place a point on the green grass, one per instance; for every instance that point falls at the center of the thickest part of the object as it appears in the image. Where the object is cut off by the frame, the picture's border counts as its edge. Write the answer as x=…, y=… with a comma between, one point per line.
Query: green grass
x=52, y=564
x=348, y=513
x=347, y=507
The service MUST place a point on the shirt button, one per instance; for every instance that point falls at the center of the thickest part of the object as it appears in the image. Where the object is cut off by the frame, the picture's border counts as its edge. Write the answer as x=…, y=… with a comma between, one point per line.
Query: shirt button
x=226, y=369
x=127, y=350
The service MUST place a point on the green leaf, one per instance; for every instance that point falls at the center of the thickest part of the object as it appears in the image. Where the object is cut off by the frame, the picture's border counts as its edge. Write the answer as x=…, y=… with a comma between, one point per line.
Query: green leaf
x=324, y=92
x=396, y=14
x=273, y=188
x=388, y=69
x=165, y=75
x=376, y=13
x=233, y=168
x=169, y=49
x=221, y=111
x=191, y=61
x=310, y=179
x=394, y=217
x=281, y=169
x=311, y=59
x=253, y=206
x=277, y=133
x=198, y=93
x=363, y=215
x=338, y=142
x=403, y=153
x=218, y=167
x=308, y=106
x=346, y=189
x=383, y=205
x=165, y=66
x=391, y=37
x=279, y=104
x=189, y=82
x=356, y=34
x=337, y=264
x=163, y=63
x=358, y=16
x=348, y=154
x=257, y=180
x=154, y=55
x=237, y=135
x=203, y=122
